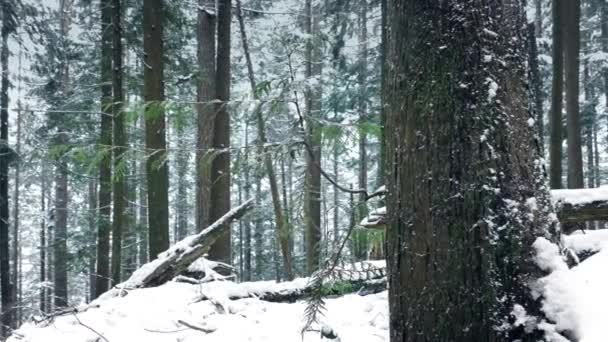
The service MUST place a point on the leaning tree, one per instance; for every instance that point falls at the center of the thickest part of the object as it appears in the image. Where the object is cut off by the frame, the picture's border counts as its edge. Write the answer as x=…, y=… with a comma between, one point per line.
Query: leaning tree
x=466, y=186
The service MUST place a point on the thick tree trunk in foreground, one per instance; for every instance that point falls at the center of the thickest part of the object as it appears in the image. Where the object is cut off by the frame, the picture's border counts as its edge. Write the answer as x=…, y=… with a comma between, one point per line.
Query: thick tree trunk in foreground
x=105, y=169
x=120, y=143
x=156, y=146
x=462, y=158
x=557, y=93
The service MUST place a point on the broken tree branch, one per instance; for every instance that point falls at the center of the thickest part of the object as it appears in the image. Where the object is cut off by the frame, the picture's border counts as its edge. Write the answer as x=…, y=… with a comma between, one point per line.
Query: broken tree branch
x=176, y=259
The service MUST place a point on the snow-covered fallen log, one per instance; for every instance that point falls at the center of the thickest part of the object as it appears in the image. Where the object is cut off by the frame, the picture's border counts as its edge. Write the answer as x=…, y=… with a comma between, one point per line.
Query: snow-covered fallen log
x=177, y=259
x=365, y=278
x=571, y=205
x=579, y=205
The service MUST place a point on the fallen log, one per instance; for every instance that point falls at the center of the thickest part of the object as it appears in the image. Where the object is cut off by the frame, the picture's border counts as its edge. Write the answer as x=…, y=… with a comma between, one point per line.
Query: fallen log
x=363, y=278
x=180, y=256
x=571, y=206
x=580, y=205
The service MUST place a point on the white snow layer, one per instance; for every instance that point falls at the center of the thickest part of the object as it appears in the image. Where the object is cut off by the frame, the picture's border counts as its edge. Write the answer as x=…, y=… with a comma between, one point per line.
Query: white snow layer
x=580, y=196
x=158, y=314
x=575, y=299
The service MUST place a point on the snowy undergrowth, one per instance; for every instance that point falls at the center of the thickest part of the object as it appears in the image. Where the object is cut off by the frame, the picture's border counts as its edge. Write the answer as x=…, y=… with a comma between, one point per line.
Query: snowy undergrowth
x=576, y=299
x=158, y=314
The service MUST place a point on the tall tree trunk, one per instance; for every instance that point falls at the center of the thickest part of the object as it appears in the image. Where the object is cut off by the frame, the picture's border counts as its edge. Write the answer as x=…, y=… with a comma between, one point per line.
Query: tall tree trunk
x=283, y=230
x=16, y=232
x=457, y=173
x=588, y=112
x=120, y=143
x=572, y=66
x=60, y=246
x=220, y=166
x=105, y=169
x=43, y=244
x=156, y=146
x=247, y=188
x=142, y=224
x=5, y=279
x=258, y=234
x=604, y=40
x=555, y=120
x=60, y=267
x=314, y=65
x=93, y=227
x=336, y=157
x=206, y=115
x=361, y=237
x=182, y=190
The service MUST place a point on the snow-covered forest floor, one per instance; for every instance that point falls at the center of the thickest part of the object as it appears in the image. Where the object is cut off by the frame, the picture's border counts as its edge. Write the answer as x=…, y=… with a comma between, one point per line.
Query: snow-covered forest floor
x=576, y=302
x=163, y=313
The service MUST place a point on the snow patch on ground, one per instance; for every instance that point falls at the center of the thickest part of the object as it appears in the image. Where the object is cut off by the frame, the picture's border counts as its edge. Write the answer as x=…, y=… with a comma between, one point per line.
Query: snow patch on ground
x=575, y=299
x=154, y=315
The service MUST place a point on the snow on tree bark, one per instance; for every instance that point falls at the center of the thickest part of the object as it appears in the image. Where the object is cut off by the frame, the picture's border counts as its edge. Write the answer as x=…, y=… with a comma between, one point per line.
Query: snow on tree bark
x=466, y=196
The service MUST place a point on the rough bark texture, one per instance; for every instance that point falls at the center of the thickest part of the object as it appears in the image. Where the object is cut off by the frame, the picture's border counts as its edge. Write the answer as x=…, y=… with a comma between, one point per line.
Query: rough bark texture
x=5, y=289
x=120, y=143
x=206, y=115
x=283, y=229
x=555, y=120
x=220, y=168
x=572, y=37
x=105, y=171
x=536, y=83
x=156, y=146
x=313, y=132
x=456, y=95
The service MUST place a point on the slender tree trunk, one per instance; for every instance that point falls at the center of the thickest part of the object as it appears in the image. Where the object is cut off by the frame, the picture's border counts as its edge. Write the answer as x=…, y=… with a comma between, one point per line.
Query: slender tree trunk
x=283, y=230
x=336, y=158
x=361, y=236
x=454, y=273
x=258, y=234
x=105, y=171
x=555, y=120
x=16, y=232
x=182, y=190
x=572, y=67
x=604, y=40
x=156, y=145
x=60, y=267
x=60, y=236
x=5, y=279
x=220, y=168
x=43, y=244
x=588, y=113
x=120, y=143
x=247, y=188
x=93, y=227
x=314, y=65
x=142, y=195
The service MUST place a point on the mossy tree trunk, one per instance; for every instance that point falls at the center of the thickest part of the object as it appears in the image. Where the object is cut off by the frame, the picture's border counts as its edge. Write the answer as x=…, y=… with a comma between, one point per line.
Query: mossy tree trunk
x=461, y=157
